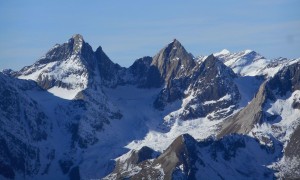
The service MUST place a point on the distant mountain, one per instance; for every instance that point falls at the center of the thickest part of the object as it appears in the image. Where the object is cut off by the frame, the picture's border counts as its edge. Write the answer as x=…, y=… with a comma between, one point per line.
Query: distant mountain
x=75, y=114
x=251, y=63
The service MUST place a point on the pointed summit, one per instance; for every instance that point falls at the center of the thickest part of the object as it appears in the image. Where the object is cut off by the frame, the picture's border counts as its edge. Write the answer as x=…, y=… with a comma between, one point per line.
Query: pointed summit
x=174, y=45
x=77, y=37
x=182, y=152
x=77, y=42
x=175, y=42
x=173, y=60
x=67, y=66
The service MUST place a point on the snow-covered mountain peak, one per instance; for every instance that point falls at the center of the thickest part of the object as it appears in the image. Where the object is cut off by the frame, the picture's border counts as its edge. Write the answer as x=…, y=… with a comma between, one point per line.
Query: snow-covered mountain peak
x=223, y=52
x=247, y=51
x=65, y=70
x=245, y=63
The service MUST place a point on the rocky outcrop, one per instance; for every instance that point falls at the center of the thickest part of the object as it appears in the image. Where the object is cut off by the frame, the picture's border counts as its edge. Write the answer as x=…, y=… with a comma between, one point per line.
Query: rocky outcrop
x=125, y=165
x=244, y=121
x=293, y=147
x=173, y=61
x=177, y=160
x=174, y=65
x=286, y=80
x=210, y=90
x=213, y=90
x=143, y=74
x=187, y=158
x=111, y=74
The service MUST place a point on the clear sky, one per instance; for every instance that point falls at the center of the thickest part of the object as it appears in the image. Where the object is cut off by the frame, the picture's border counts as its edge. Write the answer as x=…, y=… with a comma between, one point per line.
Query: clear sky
x=128, y=30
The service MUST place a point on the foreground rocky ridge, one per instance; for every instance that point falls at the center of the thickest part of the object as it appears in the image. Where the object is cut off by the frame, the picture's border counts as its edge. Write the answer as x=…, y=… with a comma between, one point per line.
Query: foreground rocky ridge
x=67, y=107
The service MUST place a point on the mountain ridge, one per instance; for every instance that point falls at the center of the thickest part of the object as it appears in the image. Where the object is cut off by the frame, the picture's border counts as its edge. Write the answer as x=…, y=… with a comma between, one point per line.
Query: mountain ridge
x=82, y=116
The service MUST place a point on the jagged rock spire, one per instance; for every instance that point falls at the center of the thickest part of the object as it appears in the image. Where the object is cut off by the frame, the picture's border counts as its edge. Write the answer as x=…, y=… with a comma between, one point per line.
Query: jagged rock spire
x=173, y=60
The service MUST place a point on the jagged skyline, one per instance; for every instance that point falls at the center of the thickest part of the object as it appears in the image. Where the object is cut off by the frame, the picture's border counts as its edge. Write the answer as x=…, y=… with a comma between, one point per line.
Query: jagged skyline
x=128, y=31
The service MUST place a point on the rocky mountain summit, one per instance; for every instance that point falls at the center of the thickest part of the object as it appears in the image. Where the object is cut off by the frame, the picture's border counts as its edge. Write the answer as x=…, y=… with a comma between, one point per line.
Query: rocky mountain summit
x=75, y=114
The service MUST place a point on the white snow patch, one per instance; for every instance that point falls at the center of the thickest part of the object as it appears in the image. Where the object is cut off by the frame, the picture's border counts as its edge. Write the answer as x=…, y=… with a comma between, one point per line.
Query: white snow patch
x=286, y=122
x=224, y=98
x=64, y=93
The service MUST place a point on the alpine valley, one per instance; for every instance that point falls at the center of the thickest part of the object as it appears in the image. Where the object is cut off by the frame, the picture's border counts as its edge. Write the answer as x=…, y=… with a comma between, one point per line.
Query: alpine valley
x=75, y=114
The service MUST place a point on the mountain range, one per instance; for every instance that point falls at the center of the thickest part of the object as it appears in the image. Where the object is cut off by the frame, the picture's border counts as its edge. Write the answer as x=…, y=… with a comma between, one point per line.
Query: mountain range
x=75, y=114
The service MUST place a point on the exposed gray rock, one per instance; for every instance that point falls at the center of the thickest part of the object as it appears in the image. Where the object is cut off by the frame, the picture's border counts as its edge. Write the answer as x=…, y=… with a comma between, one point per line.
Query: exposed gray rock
x=182, y=152
x=244, y=121
x=123, y=168
x=292, y=156
x=173, y=61
x=293, y=147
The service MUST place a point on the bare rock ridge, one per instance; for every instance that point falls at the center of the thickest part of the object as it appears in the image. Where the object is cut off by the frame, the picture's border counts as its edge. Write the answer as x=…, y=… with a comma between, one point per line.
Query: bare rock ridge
x=211, y=83
x=136, y=158
x=244, y=121
x=178, y=159
x=286, y=80
x=187, y=158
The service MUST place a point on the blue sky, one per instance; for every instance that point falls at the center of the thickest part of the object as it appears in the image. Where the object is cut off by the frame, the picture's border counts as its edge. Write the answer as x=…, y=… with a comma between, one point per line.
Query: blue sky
x=128, y=30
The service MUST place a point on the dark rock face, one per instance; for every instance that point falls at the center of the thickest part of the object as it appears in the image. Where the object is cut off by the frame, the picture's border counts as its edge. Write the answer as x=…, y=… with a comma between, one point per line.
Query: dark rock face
x=289, y=166
x=211, y=86
x=173, y=91
x=286, y=80
x=140, y=68
x=174, y=64
x=111, y=73
x=22, y=125
x=293, y=147
x=144, y=74
x=145, y=153
x=213, y=89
